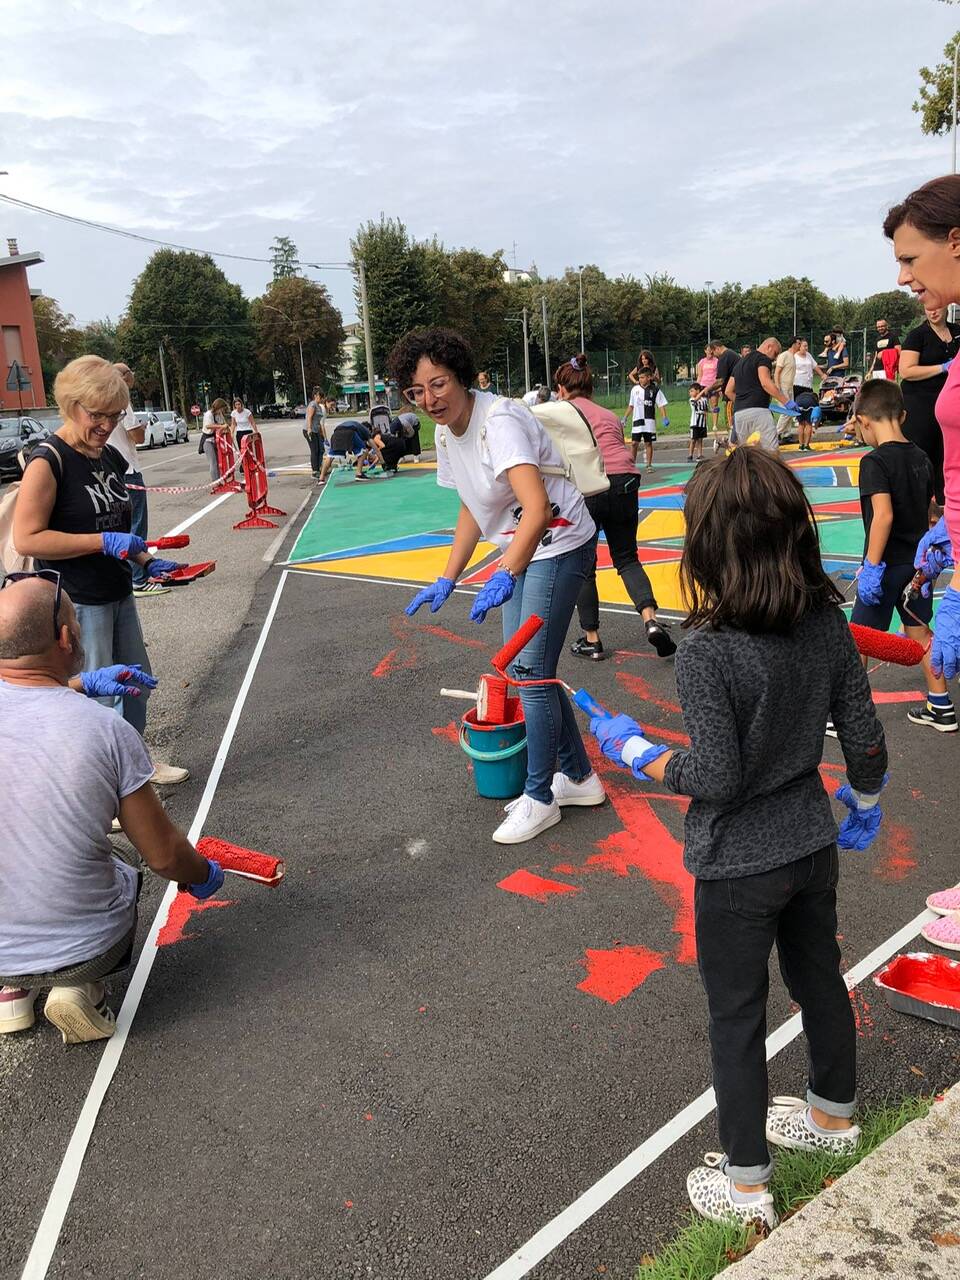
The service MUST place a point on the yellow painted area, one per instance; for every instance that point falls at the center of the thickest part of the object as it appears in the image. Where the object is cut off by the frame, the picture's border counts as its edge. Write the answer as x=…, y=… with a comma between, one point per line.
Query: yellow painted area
x=425, y=564
x=663, y=579
x=660, y=524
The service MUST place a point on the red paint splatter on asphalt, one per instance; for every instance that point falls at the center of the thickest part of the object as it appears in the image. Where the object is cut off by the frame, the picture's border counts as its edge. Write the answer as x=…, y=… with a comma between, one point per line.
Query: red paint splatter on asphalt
x=830, y=783
x=640, y=689
x=898, y=862
x=182, y=908
x=539, y=888
x=862, y=1016
x=443, y=634
x=668, y=735
x=395, y=660
x=621, y=655
x=614, y=974
x=449, y=731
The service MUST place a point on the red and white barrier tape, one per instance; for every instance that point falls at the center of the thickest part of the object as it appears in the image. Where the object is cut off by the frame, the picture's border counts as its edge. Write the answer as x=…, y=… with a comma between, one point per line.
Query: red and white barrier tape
x=196, y=488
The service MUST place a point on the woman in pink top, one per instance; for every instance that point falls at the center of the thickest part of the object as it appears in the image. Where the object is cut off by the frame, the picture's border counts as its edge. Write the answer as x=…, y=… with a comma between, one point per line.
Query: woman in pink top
x=925, y=230
x=614, y=513
x=707, y=374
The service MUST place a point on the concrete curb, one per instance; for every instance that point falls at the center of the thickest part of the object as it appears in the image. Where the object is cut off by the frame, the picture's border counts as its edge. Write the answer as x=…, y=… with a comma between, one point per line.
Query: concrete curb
x=896, y=1214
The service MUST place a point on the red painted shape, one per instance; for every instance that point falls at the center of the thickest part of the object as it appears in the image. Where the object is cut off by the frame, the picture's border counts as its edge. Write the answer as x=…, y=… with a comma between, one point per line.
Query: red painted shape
x=443, y=634
x=648, y=555
x=614, y=974
x=641, y=689
x=539, y=888
x=851, y=508
x=898, y=862
x=906, y=695
x=385, y=665
x=862, y=1016
x=830, y=784
x=181, y=909
x=449, y=731
x=668, y=735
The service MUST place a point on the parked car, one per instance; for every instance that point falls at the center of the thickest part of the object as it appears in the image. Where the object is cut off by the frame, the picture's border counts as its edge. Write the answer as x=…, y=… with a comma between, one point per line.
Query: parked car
x=343, y=406
x=18, y=434
x=153, y=430
x=175, y=430
x=273, y=411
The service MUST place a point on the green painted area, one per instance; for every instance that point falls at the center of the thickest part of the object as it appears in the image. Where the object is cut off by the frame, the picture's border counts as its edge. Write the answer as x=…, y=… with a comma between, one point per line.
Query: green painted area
x=842, y=537
x=352, y=513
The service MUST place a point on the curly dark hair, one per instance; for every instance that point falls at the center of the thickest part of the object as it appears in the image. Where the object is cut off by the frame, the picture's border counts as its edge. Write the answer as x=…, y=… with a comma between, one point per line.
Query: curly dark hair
x=442, y=346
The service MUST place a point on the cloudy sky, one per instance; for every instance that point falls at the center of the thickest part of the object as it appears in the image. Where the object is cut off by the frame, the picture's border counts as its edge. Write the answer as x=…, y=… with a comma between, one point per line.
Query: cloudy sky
x=736, y=141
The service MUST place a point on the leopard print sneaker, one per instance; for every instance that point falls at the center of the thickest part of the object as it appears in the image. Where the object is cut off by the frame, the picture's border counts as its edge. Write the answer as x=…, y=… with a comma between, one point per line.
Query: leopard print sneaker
x=788, y=1126
x=709, y=1188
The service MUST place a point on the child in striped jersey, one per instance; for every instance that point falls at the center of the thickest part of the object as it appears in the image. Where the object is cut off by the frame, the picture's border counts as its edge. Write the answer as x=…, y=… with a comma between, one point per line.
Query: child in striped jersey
x=699, y=407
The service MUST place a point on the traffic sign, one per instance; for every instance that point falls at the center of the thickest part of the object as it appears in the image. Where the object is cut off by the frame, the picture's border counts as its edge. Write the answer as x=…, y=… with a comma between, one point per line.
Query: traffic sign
x=18, y=379
x=195, y=409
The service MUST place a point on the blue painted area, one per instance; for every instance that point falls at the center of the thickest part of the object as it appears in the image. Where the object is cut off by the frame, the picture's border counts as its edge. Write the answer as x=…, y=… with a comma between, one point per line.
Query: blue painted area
x=661, y=502
x=413, y=542
x=816, y=476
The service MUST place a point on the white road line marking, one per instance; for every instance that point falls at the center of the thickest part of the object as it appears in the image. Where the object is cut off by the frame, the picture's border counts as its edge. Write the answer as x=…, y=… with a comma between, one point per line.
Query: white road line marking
x=197, y=515
x=585, y=1206
x=61, y=1194
x=277, y=543
x=164, y=462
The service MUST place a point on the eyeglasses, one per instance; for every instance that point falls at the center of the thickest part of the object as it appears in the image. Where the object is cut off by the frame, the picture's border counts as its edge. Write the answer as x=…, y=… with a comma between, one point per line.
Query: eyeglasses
x=98, y=419
x=437, y=386
x=49, y=575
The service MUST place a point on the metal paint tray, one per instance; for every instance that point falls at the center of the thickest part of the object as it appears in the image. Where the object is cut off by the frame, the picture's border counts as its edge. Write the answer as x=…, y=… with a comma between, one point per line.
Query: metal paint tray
x=913, y=982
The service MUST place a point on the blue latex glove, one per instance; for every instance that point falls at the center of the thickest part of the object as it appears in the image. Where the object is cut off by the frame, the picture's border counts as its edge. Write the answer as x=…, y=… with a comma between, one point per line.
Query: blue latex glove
x=946, y=364
x=122, y=545
x=870, y=582
x=116, y=681
x=653, y=752
x=611, y=732
x=859, y=828
x=158, y=568
x=791, y=407
x=210, y=886
x=934, y=552
x=492, y=594
x=435, y=595
x=945, y=650
x=666, y=421
x=816, y=413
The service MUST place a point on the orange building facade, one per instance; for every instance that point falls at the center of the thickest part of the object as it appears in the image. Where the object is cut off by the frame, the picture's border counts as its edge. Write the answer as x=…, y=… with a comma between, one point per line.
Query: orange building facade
x=18, y=331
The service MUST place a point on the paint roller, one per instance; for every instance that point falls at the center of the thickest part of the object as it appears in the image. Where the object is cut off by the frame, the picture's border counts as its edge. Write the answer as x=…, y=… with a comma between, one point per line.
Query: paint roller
x=248, y=863
x=887, y=647
x=164, y=544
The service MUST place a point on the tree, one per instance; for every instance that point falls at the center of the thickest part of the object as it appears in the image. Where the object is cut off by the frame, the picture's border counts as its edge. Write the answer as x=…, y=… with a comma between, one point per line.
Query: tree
x=99, y=338
x=286, y=259
x=401, y=286
x=294, y=308
x=58, y=337
x=468, y=294
x=934, y=103
x=900, y=310
x=184, y=301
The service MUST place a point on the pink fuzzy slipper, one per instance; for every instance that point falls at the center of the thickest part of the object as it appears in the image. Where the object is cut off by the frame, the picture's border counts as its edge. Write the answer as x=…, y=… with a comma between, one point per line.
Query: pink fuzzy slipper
x=945, y=901
x=944, y=932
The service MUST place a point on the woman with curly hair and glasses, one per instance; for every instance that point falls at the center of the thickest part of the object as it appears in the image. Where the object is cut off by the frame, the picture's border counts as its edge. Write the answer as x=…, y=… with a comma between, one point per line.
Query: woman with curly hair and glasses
x=491, y=450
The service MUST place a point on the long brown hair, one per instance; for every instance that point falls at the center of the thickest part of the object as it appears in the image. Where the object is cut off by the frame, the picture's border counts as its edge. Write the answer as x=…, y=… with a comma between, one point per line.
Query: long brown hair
x=751, y=556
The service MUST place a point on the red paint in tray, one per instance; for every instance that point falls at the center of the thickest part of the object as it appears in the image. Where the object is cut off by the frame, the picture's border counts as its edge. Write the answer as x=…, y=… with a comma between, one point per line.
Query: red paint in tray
x=932, y=979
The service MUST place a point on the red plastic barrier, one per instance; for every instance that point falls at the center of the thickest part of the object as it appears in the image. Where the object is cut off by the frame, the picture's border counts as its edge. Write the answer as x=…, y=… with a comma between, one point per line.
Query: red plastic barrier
x=226, y=461
x=255, y=474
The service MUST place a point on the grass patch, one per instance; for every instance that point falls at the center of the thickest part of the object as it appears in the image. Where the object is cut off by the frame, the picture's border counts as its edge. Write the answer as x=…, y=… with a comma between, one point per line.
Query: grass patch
x=702, y=1249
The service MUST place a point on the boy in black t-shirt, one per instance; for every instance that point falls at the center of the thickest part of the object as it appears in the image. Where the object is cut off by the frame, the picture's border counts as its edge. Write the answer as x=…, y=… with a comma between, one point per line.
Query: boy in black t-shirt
x=896, y=485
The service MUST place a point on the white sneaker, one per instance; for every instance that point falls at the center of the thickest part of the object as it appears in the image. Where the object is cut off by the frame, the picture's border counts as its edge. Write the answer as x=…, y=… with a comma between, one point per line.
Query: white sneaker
x=588, y=792
x=788, y=1125
x=711, y=1194
x=527, y=818
x=168, y=775
x=16, y=1008
x=80, y=1012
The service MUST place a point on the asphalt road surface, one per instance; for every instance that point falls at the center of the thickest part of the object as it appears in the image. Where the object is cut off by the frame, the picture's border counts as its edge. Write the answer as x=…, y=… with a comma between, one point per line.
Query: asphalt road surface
x=412, y=1055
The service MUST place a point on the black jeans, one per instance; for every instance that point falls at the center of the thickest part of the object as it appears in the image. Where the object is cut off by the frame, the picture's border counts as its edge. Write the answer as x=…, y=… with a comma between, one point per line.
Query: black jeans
x=315, y=441
x=615, y=514
x=923, y=429
x=737, y=923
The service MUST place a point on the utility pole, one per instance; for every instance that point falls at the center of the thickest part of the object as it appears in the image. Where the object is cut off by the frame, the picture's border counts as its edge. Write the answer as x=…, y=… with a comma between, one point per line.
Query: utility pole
x=526, y=350
x=166, y=388
x=367, y=334
x=583, y=341
x=546, y=341
x=508, y=368
x=794, y=334
x=956, y=51
x=708, y=283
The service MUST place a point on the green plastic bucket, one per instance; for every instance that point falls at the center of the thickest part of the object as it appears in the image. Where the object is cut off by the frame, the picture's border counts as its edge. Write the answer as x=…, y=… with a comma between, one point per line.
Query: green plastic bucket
x=498, y=752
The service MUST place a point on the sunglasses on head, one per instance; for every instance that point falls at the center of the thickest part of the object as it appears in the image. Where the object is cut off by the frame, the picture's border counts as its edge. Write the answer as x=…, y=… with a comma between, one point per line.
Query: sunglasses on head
x=49, y=575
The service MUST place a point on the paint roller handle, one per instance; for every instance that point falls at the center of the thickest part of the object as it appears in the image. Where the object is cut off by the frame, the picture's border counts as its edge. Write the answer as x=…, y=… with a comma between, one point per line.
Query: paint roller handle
x=169, y=544
x=586, y=704
x=516, y=642
x=459, y=693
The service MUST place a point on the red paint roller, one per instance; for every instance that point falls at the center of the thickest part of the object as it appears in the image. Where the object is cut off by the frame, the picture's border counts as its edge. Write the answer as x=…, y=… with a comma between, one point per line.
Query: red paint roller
x=242, y=862
x=492, y=692
x=164, y=544
x=887, y=647
x=516, y=642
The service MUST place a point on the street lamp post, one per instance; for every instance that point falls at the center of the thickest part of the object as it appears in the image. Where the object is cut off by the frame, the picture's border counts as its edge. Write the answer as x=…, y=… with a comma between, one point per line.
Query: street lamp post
x=956, y=51
x=794, y=334
x=708, y=283
x=546, y=341
x=303, y=376
x=583, y=341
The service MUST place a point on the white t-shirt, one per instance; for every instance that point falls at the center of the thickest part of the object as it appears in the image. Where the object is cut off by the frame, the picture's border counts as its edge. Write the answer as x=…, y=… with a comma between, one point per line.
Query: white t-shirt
x=804, y=374
x=241, y=420
x=121, y=441
x=645, y=401
x=474, y=464
x=64, y=897
x=531, y=398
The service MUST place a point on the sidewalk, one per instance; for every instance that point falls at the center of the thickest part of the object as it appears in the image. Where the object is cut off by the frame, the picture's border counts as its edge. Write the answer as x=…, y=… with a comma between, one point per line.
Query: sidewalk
x=896, y=1214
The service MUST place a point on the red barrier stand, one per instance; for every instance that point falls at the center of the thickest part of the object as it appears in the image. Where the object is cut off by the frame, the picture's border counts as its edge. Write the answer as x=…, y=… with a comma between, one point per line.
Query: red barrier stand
x=226, y=461
x=255, y=474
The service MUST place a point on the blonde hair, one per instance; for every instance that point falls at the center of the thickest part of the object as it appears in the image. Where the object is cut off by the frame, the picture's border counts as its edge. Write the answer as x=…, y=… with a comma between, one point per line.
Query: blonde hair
x=90, y=382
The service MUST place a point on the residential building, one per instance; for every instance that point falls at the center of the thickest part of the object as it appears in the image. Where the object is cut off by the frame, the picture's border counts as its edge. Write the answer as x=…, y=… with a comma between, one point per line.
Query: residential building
x=19, y=332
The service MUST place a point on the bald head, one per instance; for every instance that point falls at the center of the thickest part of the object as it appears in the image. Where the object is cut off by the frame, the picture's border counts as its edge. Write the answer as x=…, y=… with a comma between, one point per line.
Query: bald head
x=27, y=636
x=770, y=347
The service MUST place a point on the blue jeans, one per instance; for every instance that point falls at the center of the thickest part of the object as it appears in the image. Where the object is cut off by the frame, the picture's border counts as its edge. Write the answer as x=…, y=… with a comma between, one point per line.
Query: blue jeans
x=550, y=589
x=111, y=633
x=138, y=521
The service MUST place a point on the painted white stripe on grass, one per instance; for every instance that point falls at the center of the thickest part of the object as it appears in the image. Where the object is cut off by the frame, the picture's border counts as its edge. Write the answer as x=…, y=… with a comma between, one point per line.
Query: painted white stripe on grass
x=277, y=543
x=601, y=1193
x=61, y=1194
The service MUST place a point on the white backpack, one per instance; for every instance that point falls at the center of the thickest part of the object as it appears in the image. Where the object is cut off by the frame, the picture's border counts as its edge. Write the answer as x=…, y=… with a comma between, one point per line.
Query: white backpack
x=577, y=445
x=11, y=561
